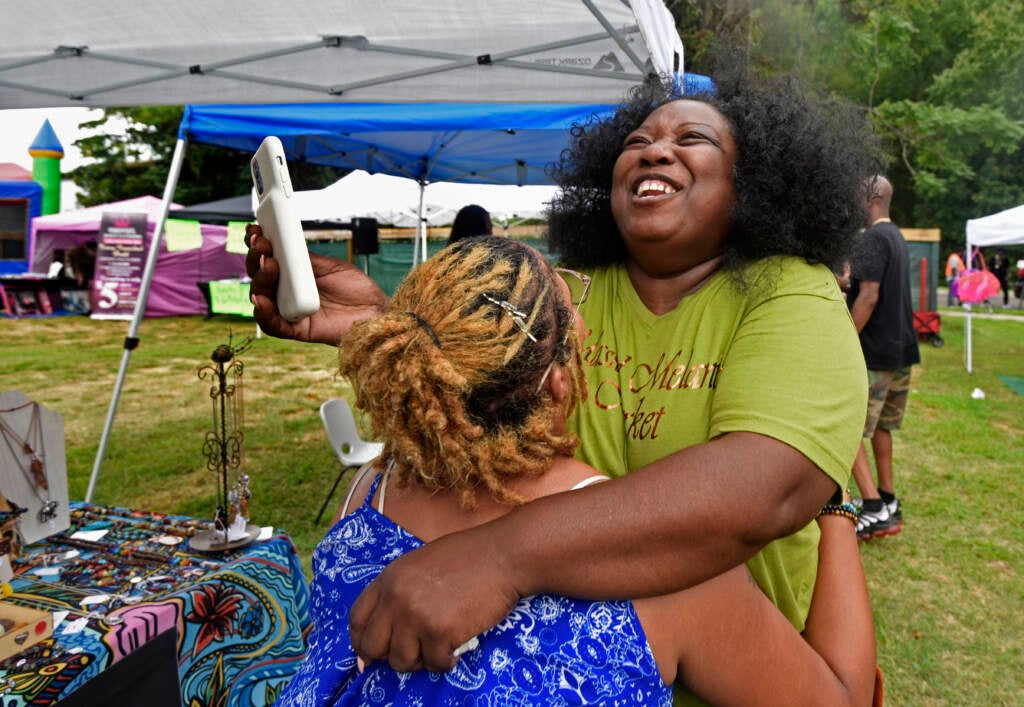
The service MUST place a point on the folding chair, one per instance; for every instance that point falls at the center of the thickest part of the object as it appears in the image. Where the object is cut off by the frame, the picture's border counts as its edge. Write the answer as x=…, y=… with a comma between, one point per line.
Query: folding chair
x=351, y=449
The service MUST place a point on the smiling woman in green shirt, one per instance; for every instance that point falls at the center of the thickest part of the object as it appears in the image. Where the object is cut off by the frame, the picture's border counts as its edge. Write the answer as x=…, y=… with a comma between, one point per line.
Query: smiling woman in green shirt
x=726, y=382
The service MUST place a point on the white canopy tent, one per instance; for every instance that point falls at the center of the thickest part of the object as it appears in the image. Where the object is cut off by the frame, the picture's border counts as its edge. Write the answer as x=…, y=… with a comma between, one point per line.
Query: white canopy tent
x=396, y=200
x=1003, y=228
x=150, y=52
x=391, y=200
x=507, y=205
x=145, y=52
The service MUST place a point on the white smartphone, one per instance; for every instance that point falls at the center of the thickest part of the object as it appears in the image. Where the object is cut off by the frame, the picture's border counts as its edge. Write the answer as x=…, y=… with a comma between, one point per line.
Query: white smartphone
x=297, y=296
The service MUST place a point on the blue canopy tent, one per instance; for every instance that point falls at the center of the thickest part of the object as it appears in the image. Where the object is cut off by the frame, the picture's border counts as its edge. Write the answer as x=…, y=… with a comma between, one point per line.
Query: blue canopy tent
x=426, y=142
x=483, y=143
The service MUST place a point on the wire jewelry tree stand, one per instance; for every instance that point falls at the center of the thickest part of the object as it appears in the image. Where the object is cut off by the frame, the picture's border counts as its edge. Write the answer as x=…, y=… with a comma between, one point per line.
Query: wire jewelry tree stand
x=224, y=451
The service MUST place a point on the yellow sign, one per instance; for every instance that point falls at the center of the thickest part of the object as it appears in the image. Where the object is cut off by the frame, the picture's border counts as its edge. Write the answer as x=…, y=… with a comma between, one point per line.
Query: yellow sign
x=236, y=238
x=182, y=235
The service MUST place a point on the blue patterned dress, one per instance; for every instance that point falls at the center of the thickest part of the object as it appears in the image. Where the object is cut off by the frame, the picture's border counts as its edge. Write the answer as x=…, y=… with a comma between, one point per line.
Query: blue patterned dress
x=550, y=650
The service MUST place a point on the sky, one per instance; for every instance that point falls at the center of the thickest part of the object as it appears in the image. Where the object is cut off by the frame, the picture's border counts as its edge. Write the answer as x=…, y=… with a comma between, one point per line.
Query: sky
x=18, y=128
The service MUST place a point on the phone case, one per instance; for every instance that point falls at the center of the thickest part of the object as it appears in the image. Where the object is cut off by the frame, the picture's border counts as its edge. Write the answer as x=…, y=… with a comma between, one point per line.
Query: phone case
x=297, y=296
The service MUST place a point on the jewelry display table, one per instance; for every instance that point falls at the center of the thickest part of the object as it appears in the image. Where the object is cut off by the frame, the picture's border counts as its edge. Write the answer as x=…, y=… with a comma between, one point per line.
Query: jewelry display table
x=41, y=297
x=241, y=616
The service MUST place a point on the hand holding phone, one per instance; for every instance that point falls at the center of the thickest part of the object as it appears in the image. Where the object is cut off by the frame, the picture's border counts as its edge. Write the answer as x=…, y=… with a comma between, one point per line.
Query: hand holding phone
x=297, y=296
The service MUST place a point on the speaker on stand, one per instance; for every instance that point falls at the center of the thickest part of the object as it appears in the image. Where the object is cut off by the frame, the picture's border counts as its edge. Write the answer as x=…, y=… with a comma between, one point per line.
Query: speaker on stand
x=365, y=240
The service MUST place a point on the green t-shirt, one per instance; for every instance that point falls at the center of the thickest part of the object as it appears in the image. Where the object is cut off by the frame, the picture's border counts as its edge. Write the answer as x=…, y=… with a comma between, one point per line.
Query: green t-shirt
x=781, y=359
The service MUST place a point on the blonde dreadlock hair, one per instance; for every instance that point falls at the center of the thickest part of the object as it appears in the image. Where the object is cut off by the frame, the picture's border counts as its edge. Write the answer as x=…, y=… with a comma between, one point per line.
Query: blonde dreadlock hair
x=449, y=376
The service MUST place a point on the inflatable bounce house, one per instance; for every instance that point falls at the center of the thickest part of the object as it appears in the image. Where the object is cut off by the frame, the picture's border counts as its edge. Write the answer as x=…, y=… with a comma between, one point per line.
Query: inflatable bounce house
x=25, y=195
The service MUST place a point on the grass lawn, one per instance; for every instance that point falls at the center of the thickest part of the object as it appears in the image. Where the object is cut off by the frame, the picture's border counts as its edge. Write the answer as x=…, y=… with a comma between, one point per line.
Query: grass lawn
x=948, y=591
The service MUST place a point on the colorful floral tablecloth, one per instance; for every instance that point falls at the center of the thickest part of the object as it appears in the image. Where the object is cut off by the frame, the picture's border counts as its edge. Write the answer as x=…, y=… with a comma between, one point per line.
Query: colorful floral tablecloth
x=242, y=617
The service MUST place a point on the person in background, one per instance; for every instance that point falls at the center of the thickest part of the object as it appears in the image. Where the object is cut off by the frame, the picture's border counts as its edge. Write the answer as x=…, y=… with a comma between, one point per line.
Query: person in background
x=1000, y=267
x=80, y=264
x=882, y=311
x=954, y=266
x=472, y=220
x=74, y=262
x=726, y=382
x=468, y=379
x=56, y=264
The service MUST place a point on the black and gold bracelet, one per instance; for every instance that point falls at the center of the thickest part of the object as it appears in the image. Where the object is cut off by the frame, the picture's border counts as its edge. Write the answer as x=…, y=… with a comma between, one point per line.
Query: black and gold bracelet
x=847, y=510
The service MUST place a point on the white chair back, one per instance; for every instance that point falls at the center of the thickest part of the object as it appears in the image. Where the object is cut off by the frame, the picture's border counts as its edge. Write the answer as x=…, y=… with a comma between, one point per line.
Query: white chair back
x=340, y=424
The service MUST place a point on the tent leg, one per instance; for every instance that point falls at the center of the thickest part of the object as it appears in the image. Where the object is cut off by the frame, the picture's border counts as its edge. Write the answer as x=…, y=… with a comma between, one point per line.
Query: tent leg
x=967, y=324
x=967, y=338
x=132, y=340
x=421, y=227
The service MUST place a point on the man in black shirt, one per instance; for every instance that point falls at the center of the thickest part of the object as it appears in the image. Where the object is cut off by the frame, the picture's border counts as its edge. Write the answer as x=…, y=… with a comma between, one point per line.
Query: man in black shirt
x=882, y=310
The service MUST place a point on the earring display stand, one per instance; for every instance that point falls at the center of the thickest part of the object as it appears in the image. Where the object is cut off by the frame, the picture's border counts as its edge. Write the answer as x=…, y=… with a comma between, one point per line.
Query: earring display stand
x=224, y=451
x=212, y=540
x=33, y=466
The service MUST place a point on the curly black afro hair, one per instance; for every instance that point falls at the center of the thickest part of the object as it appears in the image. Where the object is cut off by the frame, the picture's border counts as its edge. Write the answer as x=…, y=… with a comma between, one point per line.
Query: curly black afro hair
x=801, y=162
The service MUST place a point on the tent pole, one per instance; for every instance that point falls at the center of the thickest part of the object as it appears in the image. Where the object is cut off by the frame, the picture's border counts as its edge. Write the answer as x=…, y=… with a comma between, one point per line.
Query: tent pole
x=967, y=338
x=421, y=227
x=132, y=340
x=967, y=328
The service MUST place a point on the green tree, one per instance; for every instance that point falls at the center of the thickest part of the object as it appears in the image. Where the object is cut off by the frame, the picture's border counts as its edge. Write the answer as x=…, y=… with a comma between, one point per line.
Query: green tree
x=954, y=126
x=135, y=161
x=988, y=72
x=939, y=79
x=703, y=22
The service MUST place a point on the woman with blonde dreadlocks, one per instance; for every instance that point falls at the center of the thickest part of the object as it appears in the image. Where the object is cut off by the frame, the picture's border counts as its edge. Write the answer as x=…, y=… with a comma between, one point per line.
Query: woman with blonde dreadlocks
x=468, y=378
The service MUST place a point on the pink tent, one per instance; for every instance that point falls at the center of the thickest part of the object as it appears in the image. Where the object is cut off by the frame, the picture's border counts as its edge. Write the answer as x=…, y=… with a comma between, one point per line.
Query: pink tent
x=174, y=288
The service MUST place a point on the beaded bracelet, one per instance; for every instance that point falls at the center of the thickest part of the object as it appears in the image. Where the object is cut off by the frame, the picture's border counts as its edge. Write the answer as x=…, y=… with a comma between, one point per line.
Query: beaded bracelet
x=846, y=510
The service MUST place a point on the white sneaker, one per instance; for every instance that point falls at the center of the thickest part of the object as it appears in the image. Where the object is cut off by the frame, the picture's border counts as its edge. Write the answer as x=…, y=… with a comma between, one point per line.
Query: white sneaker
x=895, y=511
x=876, y=524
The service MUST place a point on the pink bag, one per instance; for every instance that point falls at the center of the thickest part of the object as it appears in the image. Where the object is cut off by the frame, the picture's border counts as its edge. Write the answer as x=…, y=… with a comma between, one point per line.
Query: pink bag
x=977, y=285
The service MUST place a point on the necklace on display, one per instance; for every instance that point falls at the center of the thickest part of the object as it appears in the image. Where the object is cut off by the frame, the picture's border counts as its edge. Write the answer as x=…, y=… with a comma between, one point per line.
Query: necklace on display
x=34, y=468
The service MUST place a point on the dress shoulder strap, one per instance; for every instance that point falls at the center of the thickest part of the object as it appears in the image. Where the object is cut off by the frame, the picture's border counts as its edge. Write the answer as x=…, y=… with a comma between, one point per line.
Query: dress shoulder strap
x=383, y=490
x=356, y=480
x=589, y=480
x=383, y=485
